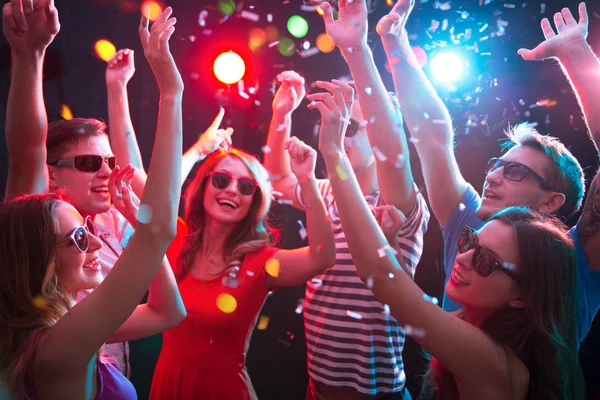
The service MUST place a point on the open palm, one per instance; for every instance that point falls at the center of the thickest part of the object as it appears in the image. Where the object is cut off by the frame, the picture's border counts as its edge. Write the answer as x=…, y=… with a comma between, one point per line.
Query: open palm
x=556, y=44
x=350, y=29
x=393, y=23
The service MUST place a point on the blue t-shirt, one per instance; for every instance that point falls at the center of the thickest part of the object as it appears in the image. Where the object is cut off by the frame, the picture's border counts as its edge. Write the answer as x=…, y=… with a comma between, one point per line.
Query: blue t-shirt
x=588, y=293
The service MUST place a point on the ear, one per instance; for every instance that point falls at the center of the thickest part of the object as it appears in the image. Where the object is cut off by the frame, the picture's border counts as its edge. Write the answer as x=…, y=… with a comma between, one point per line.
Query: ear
x=551, y=203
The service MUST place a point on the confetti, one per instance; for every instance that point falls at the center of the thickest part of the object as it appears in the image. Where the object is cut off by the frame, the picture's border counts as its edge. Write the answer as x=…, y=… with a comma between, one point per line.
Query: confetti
x=269, y=17
x=302, y=231
x=266, y=149
x=263, y=322
x=250, y=273
x=316, y=282
x=461, y=207
x=400, y=160
x=414, y=331
x=509, y=266
x=144, y=215
x=202, y=18
x=285, y=202
x=226, y=303
x=370, y=281
x=300, y=306
x=386, y=309
x=254, y=17
x=341, y=173
x=353, y=314
x=272, y=267
x=309, y=53
x=379, y=154
x=430, y=299
x=368, y=91
x=391, y=275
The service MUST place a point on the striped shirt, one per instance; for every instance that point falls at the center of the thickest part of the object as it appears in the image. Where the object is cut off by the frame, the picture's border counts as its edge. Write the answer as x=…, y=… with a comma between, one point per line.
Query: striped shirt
x=114, y=231
x=351, y=340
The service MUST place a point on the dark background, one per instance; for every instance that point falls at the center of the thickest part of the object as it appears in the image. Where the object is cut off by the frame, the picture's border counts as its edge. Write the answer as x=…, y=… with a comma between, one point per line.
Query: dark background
x=499, y=89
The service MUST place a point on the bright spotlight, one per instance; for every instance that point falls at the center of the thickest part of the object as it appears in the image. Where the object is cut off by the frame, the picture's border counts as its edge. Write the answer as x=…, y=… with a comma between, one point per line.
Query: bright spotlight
x=447, y=67
x=229, y=67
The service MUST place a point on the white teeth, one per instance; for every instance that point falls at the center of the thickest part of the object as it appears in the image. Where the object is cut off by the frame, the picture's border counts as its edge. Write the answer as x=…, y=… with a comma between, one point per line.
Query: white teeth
x=227, y=203
x=459, y=278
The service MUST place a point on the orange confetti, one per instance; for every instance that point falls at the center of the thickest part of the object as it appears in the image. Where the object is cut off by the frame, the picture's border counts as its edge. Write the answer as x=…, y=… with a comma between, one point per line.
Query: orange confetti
x=263, y=322
x=65, y=112
x=272, y=267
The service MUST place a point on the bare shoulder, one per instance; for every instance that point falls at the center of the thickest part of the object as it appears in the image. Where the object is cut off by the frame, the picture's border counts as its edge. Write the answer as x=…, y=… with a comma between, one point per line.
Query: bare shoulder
x=519, y=376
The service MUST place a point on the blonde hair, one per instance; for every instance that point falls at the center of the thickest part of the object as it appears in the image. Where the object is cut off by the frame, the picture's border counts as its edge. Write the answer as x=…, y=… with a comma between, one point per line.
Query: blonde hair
x=251, y=234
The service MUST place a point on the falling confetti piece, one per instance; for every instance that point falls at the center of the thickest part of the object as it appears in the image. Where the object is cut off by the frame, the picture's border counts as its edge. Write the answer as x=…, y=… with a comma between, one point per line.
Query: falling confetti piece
x=341, y=173
x=285, y=202
x=400, y=160
x=226, y=303
x=272, y=267
x=353, y=314
x=386, y=309
x=250, y=273
x=370, y=281
x=414, y=331
x=300, y=306
x=39, y=301
x=379, y=154
x=368, y=91
x=202, y=18
x=302, y=231
x=391, y=275
x=461, y=207
x=254, y=17
x=144, y=215
x=65, y=112
x=266, y=149
x=430, y=299
x=316, y=282
x=263, y=322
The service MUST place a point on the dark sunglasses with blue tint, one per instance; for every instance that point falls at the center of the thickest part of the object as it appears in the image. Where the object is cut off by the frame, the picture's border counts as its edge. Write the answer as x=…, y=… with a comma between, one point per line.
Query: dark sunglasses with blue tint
x=484, y=262
x=86, y=163
x=516, y=172
x=221, y=179
x=80, y=235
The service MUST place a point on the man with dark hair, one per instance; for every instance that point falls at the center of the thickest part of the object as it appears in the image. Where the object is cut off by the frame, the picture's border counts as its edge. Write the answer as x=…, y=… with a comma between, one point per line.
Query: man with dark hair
x=537, y=171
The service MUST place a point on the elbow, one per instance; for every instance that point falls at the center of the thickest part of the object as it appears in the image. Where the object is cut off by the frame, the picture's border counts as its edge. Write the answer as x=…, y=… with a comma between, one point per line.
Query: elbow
x=324, y=258
x=176, y=317
x=160, y=231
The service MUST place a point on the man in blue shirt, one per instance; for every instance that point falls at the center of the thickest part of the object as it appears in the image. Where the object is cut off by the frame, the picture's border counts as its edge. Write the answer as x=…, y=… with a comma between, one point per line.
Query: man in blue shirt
x=537, y=171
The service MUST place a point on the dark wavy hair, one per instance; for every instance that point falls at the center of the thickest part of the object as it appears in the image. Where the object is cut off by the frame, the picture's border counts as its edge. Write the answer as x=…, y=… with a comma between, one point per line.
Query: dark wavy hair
x=543, y=334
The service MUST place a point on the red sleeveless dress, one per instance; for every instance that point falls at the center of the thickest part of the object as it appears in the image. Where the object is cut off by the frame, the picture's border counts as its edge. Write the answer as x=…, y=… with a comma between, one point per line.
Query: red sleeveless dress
x=204, y=357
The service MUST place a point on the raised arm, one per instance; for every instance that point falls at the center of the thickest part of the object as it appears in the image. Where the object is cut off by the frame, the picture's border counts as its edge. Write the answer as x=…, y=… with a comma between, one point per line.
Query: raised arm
x=119, y=70
x=277, y=161
x=98, y=316
x=164, y=308
x=209, y=141
x=466, y=351
x=383, y=122
x=426, y=115
x=568, y=45
x=581, y=66
x=29, y=32
x=299, y=265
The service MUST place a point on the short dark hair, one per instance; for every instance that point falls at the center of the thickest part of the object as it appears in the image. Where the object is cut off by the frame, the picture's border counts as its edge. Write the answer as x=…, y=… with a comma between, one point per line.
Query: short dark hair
x=565, y=174
x=63, y=133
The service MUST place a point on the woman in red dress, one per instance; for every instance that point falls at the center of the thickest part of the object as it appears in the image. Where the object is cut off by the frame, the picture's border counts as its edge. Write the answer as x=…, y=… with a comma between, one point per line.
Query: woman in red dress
x=225, y=268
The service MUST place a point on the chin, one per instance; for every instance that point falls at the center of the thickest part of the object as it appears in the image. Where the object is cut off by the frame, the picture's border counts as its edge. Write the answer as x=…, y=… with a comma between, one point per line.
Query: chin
x=485, y=212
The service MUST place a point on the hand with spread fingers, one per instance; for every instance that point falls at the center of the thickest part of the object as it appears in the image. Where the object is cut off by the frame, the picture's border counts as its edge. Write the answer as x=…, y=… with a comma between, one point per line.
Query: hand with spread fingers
x=30, y=25
x=122, y=195
x=155, y=42
x=568, y=32
x=303, y=159
x=350, y=29
x=393, y=24
x=335, y=106
x=391, y=220
x=290, y=94
x=120, y=68
x=214, y=137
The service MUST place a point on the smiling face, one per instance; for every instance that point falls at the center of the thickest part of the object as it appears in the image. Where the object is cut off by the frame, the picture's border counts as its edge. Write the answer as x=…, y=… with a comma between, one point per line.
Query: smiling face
x=500, y=193
x=76, y=270
x=228, y=205
x=497, y=289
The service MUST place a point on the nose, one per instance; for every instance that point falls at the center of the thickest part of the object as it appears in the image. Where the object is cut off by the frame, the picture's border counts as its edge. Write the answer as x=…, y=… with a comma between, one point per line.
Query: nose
x=232, y=187
x=465, y=259
x=94, y=243
x=495, y=177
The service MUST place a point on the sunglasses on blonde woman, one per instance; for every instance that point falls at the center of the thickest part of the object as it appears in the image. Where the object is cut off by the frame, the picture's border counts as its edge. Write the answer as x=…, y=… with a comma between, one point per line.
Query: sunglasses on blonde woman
x=80, y=235
x=484, y=262
x=221, y=180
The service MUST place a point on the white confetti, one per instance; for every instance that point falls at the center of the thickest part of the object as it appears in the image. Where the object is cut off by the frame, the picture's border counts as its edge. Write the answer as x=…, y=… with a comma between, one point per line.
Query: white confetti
x=353, y=314
x=391, y=275
x=461, y=207
x=250, y=273
x=285, y=202
x=370, y=281
x=316, y=282
x=386, y=309
x=400, y=160
x=270, y=17
x=300, y=306
x=379, y=154
x=414, y=331
x=266, y=149
x=368, y=91
x=144, y=214
x=302, y=231
x=202, y=18
x=254, y=17
x=309, y=52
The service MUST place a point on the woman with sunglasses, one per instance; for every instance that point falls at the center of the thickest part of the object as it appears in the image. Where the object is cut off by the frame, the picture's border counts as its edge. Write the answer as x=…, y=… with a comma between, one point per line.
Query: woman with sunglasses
x=226, y=267
x=515, y=338
x=51, y=345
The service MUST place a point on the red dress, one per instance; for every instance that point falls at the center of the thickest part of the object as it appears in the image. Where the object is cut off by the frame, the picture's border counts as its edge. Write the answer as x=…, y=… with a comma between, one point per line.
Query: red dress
x=204, y=357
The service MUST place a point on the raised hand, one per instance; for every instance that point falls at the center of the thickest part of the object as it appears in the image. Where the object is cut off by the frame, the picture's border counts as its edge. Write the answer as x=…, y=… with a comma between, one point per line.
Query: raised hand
x=335, y=107
x=121, y=193
x=290, y=94
x=570, y=32
x=350, y=29
x=393, y=24
x=303, y=159
x=391, y=221
x=213, y=137
x=30, y=25
x=120, y=68
x=156, y=49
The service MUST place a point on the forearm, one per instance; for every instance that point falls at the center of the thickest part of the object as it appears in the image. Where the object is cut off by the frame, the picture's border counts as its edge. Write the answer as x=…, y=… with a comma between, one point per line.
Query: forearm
x=426, y=115
x=163, y=295
x=582, y=68
x=277, y=160
x=320, y=233
x=165, y=166
x=122, y=135
x=190, y=158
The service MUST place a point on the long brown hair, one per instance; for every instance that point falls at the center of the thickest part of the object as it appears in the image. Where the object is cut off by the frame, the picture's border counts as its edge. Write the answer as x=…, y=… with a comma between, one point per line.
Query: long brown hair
x=543, y=334
x=251, y=234
x=32, y=297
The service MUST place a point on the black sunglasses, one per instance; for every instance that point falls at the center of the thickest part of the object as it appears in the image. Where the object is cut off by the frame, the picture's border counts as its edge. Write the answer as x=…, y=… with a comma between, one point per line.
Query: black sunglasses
x=80, y=236
x=484, y=262
x=221, y=180
x=86, y=163
x=515, y=171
